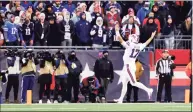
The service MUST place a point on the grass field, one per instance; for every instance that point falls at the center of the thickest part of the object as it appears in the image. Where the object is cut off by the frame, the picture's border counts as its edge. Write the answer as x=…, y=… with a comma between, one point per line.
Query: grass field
x=98, y=107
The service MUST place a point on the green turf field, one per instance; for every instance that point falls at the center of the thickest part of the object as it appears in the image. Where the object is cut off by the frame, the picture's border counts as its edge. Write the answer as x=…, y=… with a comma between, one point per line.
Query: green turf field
x=99, y=107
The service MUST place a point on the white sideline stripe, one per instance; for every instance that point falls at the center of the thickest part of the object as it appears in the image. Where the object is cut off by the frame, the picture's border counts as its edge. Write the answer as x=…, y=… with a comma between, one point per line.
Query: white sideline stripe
x=177, y=75
x=98, y=104
x=17, y=109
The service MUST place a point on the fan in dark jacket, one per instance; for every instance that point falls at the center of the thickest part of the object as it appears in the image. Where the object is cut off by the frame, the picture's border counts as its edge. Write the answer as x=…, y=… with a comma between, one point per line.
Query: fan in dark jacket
x=41, y=31
x=169, y=32
x=83, y=28
x=49, y=12
x=104, y=72
x=75, y=68
x=67, y=30
x=147, y=30
x=186, y=29
x=54, y=38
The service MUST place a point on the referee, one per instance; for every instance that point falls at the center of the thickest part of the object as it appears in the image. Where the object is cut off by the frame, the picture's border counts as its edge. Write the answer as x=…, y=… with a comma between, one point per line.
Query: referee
x=164, y=69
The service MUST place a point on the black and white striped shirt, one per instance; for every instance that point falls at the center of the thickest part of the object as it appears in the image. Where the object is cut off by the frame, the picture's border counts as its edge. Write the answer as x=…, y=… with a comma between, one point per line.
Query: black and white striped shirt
x=163, y=66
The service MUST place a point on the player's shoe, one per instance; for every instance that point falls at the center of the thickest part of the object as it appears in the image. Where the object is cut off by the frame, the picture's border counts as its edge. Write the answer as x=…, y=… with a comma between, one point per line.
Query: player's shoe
x=48, y=102
x=55, y=101
x=66, y=101
x=40, y=101
x=118, y=101
x=150, y=93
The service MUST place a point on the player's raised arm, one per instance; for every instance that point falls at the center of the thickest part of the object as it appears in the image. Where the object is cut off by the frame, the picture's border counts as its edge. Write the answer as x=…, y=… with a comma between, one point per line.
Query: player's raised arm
x=151, y=38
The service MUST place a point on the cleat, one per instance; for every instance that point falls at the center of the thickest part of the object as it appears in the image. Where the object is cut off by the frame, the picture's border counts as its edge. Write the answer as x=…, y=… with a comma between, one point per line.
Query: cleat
x=40, y=101
x=150, y=93
x=55, y=101
x=48, y=102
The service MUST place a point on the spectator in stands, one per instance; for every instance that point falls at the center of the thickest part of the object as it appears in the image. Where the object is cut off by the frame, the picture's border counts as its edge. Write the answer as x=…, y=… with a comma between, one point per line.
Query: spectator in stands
x=39, y=5
x=169, y=33
x=70, y=6
x=83, y=6
x=139, y=5
x=117, y=6
x=83, y=28
x=99, y=33
x=54, y=36
x=157, y=22
x=57, y=7
x=1, y=37
x=67, y=30
x=16, y=10
x=49, y=12
x=160, y=11
x=76, y=15
x=36, y=17
x=141, y=14
x=131, y=13
x=29, y=10
x=26, y=4
x=27, y=32
x=186, y=29
x=112, y=16
x=41, y=31
x=2, y=8
x=9, y=6
x=1, y=31
x=130, y=27
x=96, y=13
x=11, y=32
x=75, y=68
x=113, y=40
x=138, y=73
x=147, y=31
x=96, y=3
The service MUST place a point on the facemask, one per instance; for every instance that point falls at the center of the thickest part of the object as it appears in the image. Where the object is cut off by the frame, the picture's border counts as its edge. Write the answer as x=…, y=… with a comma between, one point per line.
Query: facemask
x=105, y=56
x=72, y=56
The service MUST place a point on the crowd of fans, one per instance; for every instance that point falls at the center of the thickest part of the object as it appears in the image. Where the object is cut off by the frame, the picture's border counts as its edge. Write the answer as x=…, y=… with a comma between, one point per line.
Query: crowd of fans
x=71, y=23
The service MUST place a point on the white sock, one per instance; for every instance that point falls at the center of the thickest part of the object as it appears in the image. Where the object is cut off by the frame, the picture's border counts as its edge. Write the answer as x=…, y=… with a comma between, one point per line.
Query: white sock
x=123, y=91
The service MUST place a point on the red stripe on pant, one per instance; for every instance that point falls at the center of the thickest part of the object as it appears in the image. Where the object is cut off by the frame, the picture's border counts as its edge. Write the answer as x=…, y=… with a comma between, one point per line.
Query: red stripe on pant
x=132, y=79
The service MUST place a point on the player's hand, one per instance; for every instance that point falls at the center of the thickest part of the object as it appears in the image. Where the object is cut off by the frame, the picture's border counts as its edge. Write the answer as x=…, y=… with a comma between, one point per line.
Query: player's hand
x=153, y=34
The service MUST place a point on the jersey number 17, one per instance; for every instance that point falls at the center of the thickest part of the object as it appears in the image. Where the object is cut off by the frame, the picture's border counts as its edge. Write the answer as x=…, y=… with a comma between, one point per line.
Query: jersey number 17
x=134, y=53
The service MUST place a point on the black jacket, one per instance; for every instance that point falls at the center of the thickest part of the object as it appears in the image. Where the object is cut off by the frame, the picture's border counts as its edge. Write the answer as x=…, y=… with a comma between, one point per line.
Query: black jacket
x=104, y=69
x=63, y=28
x=39, y=30
x=74, y=70
x=146, y=31
x=54, y=35
x=184, y=30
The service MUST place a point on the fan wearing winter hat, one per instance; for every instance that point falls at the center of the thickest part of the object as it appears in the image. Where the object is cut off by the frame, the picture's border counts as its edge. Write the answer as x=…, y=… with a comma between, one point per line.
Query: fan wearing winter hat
x=11, y=31
x=169, y=31
x=99, y=33
x=131, y=13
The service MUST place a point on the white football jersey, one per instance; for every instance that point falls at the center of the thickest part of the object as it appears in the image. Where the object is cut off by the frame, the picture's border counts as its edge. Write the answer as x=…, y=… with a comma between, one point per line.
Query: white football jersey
x=132, y=50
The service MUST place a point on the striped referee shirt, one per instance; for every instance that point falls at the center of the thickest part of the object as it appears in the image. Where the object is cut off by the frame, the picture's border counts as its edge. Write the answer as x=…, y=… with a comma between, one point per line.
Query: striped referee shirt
x=163, y=66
